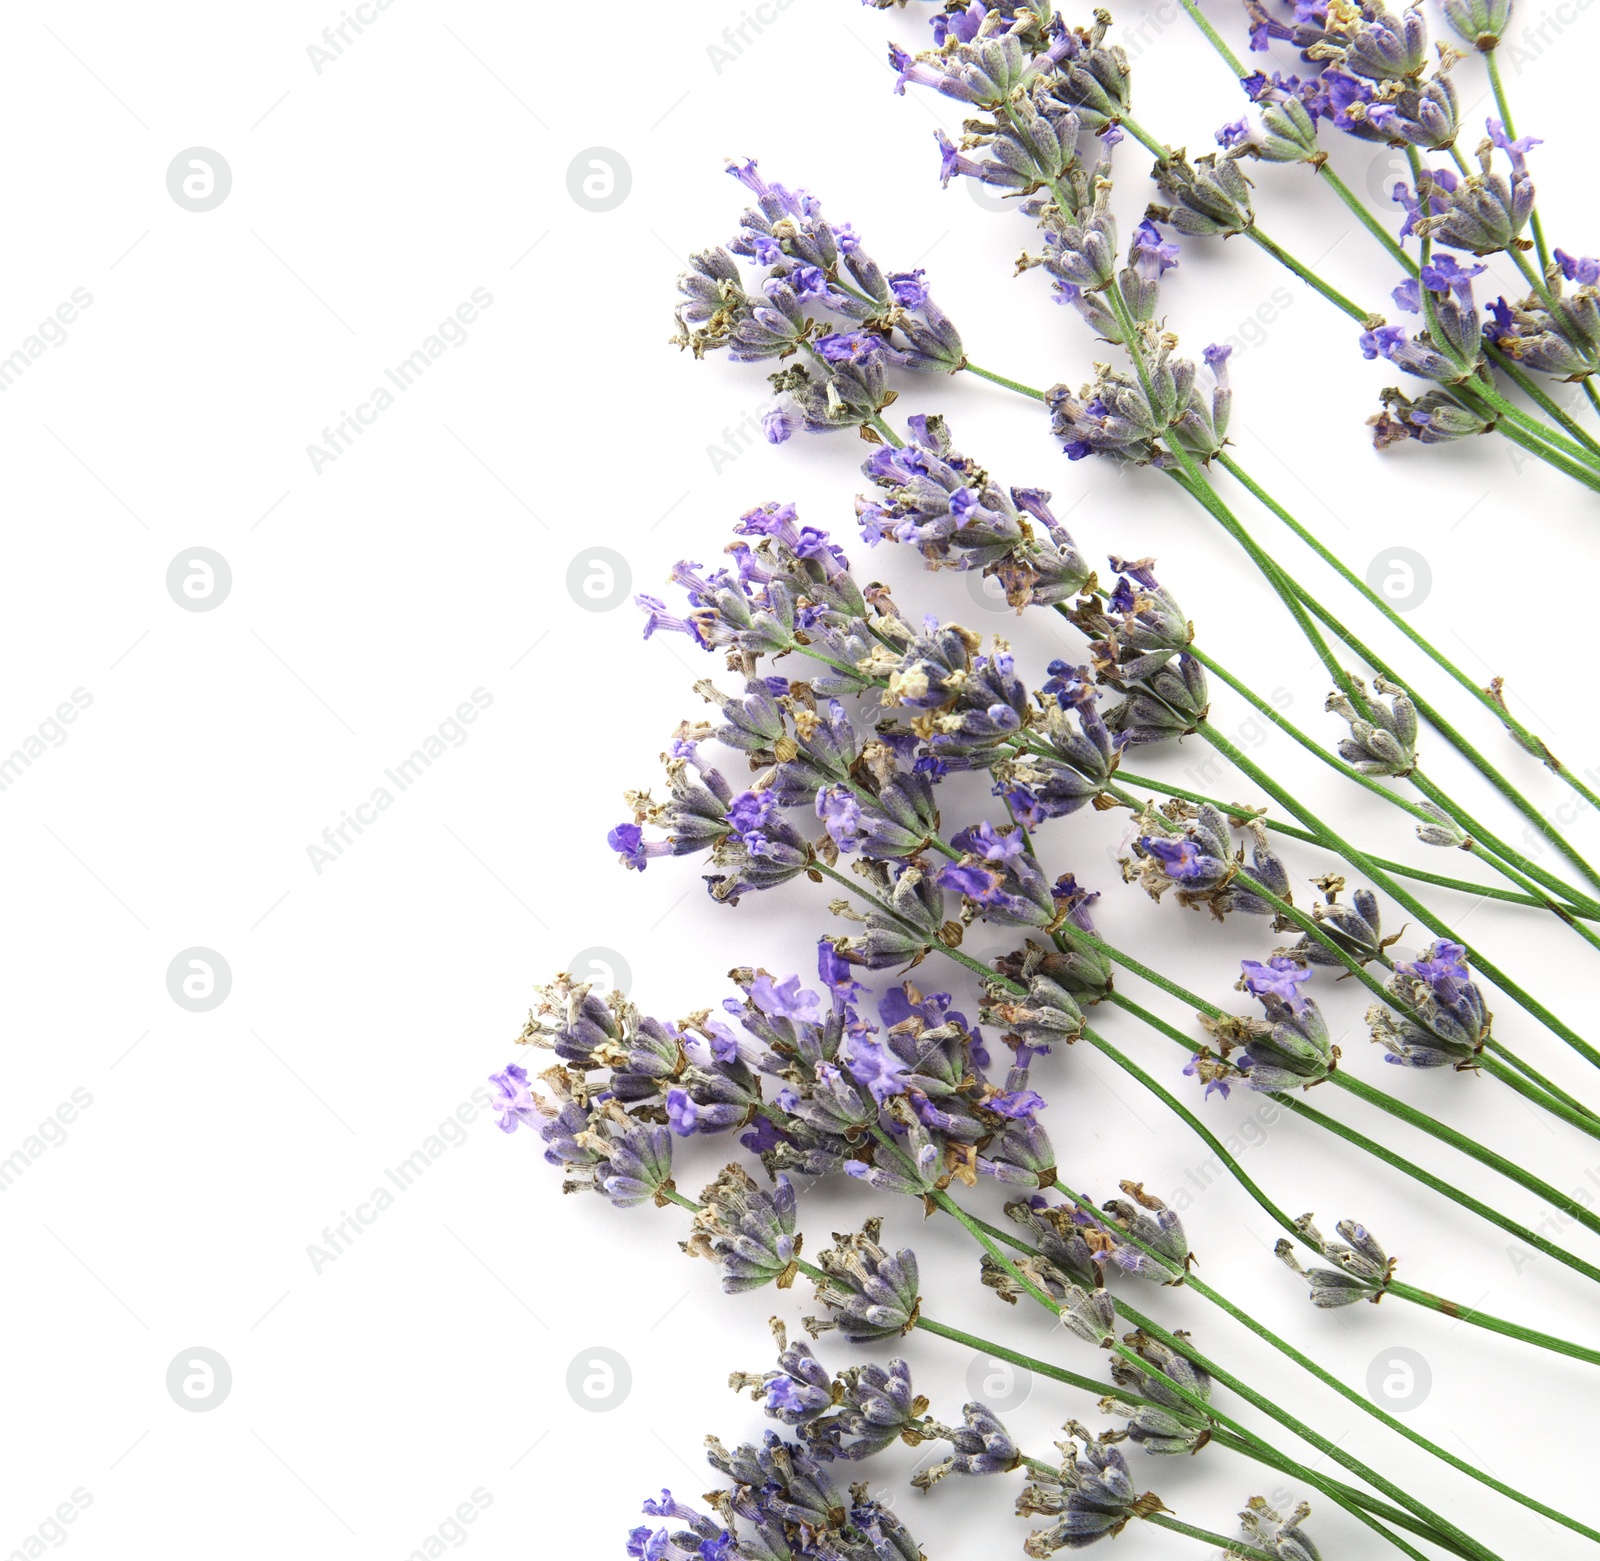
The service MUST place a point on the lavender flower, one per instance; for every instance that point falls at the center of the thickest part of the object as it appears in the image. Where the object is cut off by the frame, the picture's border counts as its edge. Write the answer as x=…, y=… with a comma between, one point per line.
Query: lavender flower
x=1037, y=1019
x=908, y=931
x=1158, y=1248
x=1487, y=211
x=1091, y=1498
x=1212, y=195
x=1355, y=928
x=997, y=874
x=1364, y=1267
x=1138, y=629
x=1446, y=1021
x=513, y=1100
x=606, y=1151
x=1481, y=23
x=1290, y=1048
x=1168, y=1424
x=871, y=1294
x=946, y=506
x=1282, y=1536
x=1202, y=865
x=1383, y=741
x=749, y=1232
x=1434, y=417
x=1451, y=349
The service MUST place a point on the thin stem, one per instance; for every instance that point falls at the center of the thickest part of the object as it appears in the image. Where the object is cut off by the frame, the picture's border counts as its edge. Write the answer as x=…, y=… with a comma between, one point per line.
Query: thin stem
x=1000, y=379
x=1231, y=1547
x=1397, y=620
x=1535, y=393
x=1257, y=1400
x=1306, y=275
x=1193, y=1282
x=1583, y=449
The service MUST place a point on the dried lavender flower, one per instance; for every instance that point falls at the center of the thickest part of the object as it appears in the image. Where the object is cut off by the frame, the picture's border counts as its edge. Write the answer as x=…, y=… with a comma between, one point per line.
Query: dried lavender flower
x=1364, y=1267
x=1354, y=928
x=1168, y=1424
x=1282, y=1536
x=1092, y=1497
x=1451, y=1020
x=1201, y=863
x=872, y=1294
x=748, y=1231
x=1383, y=741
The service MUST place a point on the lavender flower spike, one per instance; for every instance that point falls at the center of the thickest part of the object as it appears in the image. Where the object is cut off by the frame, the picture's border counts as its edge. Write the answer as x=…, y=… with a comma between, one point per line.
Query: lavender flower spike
x=872, y=1294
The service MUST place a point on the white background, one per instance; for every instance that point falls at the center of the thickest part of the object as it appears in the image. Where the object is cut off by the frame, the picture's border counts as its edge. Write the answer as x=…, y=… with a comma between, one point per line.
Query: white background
x=370, y=598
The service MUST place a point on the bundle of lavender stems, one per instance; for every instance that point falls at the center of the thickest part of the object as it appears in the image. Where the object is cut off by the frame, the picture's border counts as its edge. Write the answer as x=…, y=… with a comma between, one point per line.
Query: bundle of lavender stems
x=832, y=761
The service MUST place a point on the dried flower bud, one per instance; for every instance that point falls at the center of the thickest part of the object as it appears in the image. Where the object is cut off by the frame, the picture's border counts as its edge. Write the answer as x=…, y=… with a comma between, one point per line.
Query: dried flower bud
x=1364, y=1268
x=1451, y=1021
x=1283, y=1537
x=1094, y=1496
x=1169, y=1423
x=1212, y=195
x=872, y=1294
x=1091, y=1315
x=1445, y=832
x=749, y=1231
x=1384, y=741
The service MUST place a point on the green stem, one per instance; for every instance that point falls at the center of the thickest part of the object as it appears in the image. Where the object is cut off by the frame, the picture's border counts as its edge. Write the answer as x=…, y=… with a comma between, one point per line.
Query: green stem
x=1231, y=1547
x=1420, y=1297
x=1417, y=638
x=1306, y=275
x=1555, y=458
x=1535, y=393
x=1000, y=379
x=1584, y=450
x=1209, y=1410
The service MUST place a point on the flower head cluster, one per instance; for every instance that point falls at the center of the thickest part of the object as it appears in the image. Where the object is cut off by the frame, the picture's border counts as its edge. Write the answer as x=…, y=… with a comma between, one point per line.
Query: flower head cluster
x=938, y=501
x=870, y=1294
x=1371, y=75
x=1167, y=1423
x=1091, y=1497
x=1289, y=1048
x=853, y=1415
x=1280, y=1536
x=1557, y=333
x=1202, y=864
x=1114, y=415
x=780, y=1502
x=1444, y=1019
x=1364, y=1270
x=1353, y=927
x=810, y=269
x=1451, y=348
